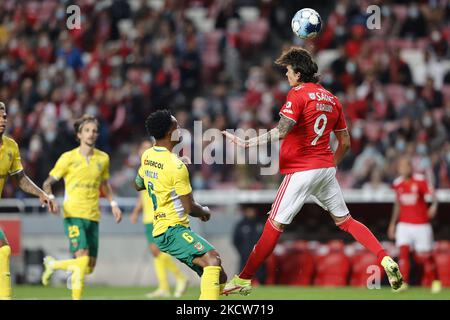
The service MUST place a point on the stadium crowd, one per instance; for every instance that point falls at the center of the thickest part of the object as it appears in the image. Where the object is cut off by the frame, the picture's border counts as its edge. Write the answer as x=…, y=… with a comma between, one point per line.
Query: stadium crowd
x=212, y=61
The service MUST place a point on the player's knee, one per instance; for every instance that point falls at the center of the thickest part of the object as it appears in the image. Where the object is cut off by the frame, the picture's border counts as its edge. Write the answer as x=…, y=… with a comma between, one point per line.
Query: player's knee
x=84, y=261
x=154, y=250
x=278, y=225
x=91, y=266
x=212, y=259
x=342, y=222
x=223, y=276
x=82, y=253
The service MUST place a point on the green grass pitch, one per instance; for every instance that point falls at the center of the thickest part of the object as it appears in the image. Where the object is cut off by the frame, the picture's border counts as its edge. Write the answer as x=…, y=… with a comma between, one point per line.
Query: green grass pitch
x=259, y=293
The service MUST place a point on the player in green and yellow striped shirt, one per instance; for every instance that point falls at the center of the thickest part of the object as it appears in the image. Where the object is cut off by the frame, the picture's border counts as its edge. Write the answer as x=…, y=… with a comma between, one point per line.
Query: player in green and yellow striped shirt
x=10, y=165
x=85, y=171
x=166, y=179
x=162, y=261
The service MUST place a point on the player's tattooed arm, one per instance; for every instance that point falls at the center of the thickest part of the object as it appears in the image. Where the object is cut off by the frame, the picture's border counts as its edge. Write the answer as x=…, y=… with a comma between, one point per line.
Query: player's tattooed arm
x=284, y=126
x=47, y=186
x=28, y=186
x=279, y=132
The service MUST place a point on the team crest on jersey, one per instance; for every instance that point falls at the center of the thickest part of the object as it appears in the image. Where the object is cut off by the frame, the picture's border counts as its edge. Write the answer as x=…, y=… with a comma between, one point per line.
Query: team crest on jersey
x=288, y=108
x=99, y=166
x=312, y=95
x=76, y=164
x=414, y=187
x=74, y=243
x=199, y=246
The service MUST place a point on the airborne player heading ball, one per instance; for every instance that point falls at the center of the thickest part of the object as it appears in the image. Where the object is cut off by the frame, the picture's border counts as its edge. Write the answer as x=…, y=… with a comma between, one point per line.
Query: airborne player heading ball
x=166, y=179
x=308, y=164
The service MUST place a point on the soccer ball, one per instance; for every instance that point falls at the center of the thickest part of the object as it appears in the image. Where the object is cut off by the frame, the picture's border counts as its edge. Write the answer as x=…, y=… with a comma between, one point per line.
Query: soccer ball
x=306, y=23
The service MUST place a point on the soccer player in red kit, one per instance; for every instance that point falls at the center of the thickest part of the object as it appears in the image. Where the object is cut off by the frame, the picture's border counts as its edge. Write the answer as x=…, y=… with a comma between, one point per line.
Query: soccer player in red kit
x=410, y=222
x=308, y=164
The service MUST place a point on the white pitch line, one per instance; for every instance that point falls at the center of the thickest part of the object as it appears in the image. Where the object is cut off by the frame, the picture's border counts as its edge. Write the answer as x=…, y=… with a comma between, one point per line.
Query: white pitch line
x=140, y=297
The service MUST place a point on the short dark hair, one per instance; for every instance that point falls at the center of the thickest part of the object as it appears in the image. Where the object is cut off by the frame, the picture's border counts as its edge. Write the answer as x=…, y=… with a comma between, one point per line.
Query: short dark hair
x=301, y=61
x=80, y=122
x=159, y=123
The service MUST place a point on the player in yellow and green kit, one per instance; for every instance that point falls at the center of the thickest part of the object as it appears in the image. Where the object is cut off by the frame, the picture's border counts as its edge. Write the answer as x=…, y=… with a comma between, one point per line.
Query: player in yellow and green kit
x=166, y=179
x=10, y=165
x=162, y=261
x=85, y=171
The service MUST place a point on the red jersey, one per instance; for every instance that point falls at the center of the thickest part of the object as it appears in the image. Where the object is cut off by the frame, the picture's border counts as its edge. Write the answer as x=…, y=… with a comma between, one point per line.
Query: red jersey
x=317, y=113
x=411, y=198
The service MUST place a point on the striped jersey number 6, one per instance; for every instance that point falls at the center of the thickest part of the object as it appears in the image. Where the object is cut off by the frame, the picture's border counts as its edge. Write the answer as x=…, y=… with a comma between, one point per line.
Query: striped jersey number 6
x=186, y=236
x=319, y=130
x=152, y=195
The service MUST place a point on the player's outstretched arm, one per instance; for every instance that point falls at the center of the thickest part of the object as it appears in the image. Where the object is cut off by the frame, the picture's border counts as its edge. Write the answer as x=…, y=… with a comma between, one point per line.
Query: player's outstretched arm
x=107, y=190
x=279, y=132
x=194, y=209
x=28, y=186
x=343, y=138
x=47, y=186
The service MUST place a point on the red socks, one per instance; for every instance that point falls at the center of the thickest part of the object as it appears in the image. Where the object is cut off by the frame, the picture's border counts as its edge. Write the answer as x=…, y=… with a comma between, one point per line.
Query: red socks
x=403, y=262
x=364, y=236
x=428, y=266
x=262, y=250
x=269, y=239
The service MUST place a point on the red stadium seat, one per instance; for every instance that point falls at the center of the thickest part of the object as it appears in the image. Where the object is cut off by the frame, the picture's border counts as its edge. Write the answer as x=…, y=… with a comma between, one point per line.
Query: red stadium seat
x=442, y=259
x=360, y=272
x=442, y=246
x=293, y=266
x=271, y=264
x=296, y=268
x=332, y=269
